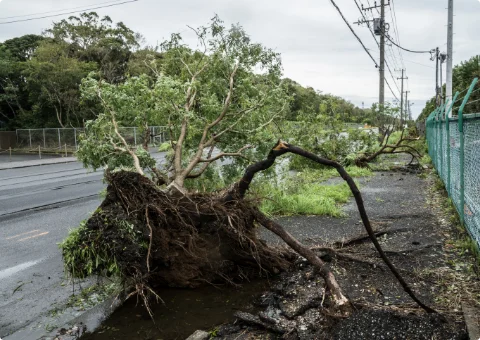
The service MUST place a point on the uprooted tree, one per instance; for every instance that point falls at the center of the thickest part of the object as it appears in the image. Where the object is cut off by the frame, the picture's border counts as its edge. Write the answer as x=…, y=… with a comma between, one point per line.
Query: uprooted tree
x=224, y=100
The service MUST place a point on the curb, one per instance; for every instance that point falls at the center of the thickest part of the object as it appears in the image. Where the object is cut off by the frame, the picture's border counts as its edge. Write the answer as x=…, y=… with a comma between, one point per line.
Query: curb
x=71, y=326
x=472, y=319
x=24, y=164
x=88, y=321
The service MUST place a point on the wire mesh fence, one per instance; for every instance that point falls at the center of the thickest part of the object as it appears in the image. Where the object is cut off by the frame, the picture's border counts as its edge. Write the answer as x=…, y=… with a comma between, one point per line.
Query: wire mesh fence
x=454, y=146
x=68, y=138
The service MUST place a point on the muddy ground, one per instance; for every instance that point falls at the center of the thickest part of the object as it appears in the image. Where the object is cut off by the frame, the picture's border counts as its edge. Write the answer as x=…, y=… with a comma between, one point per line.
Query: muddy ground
x=418, y=239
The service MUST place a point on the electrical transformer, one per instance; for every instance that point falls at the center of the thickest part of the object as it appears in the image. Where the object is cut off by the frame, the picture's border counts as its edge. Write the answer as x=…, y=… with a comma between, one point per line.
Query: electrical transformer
x=377, y=27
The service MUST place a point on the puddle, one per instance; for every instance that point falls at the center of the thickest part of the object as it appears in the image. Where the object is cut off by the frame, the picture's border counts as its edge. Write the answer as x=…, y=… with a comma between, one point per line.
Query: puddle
x=185, y=311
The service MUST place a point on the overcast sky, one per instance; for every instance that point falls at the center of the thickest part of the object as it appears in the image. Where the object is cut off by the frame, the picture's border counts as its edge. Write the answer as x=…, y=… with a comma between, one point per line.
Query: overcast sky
x=317, y=47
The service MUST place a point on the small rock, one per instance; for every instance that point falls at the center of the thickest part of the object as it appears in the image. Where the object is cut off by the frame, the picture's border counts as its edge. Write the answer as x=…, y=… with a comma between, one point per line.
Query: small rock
x=199, y=335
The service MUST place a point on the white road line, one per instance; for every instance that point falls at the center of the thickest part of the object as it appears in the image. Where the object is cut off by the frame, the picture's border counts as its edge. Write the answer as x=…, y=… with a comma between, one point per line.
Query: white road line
x=13, y=270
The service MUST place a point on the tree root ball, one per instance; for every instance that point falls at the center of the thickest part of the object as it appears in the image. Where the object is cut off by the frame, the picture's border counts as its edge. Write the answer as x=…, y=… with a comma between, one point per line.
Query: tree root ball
x=158, y=238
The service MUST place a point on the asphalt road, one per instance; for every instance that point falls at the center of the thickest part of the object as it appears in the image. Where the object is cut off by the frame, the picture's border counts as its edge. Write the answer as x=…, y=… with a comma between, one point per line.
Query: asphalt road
x=38, y=205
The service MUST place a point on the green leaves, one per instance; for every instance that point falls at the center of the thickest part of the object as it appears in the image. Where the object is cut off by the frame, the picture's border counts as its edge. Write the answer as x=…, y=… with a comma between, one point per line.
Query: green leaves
x=229, y=80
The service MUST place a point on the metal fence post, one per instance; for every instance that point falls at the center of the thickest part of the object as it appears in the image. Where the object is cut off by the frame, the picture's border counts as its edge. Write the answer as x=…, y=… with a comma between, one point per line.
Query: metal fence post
x=440, y=140
x=59, y=142
x=135, y=136
x=447, y=119
x=75, y=137
x=30, y=138
x=462, y=152
x=435, y=138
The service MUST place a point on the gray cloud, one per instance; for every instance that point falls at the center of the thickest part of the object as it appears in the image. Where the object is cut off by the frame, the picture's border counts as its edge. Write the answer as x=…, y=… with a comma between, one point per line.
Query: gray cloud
x=317, y=47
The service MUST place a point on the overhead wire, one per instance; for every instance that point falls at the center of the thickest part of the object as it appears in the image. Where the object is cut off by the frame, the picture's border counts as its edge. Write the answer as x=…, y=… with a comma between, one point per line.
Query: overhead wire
x=403, y=48
x=393, y=15
x=59, y=10
x=374, y=38
x=386, y=81
x=353, y=32
x=65, y=13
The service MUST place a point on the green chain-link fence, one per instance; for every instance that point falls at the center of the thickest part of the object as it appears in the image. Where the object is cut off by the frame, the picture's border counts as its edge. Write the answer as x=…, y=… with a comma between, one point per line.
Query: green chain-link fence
x=453, y=139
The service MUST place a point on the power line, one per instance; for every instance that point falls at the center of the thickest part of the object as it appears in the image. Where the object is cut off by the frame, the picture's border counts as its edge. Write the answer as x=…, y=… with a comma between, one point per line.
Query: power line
x=405, y=49
x=393, y=15
x=56, y=11
x=360, y=41
x=353, y=32
x=386, y=81
x=375, y=38
x=367, y=21
x=56, y=15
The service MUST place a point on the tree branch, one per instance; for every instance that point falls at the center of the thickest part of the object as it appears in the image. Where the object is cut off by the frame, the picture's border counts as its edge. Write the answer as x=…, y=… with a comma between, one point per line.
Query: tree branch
x=225, y=154
x=240, y=188
x=339, y=298
x=136, y=161
x=201, y=146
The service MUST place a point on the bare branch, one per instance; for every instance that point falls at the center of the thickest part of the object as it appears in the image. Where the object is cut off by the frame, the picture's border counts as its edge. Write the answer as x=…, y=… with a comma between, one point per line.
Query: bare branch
x=225, y=154
x=201, y=146
x=204, y=166
x=127, y=148
x=188, y=68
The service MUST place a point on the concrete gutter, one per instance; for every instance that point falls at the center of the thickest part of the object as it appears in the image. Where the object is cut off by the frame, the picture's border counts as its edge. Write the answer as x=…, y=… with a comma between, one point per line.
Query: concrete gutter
x=70, y=324
x=472, y=319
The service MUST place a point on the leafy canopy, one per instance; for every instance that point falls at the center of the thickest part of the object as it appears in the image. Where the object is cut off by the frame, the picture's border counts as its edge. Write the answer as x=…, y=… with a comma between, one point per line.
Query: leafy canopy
x=224, y=95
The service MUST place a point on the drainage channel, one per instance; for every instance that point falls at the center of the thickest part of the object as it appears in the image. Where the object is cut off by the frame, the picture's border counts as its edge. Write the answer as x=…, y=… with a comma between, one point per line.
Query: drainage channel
x=184, y=311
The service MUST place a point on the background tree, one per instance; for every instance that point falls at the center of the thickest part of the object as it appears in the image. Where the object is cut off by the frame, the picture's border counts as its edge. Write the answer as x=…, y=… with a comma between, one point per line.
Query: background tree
x=462, y=77
x=53, y=81
x=13, y=92
x=40, y=75
x=94, y=39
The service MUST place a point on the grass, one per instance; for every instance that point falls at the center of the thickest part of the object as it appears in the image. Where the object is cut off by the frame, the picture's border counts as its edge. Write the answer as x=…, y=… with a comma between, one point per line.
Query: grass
x=463, y=243
x=310, y=199
x=304, y=194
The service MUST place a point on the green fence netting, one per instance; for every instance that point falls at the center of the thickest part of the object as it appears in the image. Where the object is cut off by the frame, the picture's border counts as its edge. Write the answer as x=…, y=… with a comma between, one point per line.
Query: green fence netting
x=453, y=139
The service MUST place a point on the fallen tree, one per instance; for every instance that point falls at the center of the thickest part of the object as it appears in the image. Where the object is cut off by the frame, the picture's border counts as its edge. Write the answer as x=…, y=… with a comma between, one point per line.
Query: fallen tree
x=151, y=229
x=196, y=238
x=403, y=145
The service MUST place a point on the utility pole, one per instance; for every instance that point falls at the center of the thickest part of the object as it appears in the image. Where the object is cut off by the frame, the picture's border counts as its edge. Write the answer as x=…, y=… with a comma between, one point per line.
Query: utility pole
x=443, y=57
x=381, y=95
x=449, y=51
x=401, y=98
x=406, y=105
x=379, y=28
